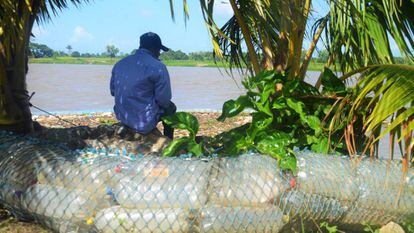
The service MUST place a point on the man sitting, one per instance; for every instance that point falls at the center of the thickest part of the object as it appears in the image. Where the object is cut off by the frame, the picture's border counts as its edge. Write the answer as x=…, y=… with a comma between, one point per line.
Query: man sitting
x=141, y=86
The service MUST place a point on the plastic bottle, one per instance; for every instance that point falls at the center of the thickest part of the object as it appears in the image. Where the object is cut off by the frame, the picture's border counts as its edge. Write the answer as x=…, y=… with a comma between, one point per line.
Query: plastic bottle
x=94, y=178
x=59, y=203
x=324, y=174
x=241, y=219
x=120, y=220
x=247, y=180
x=153, y=182
x=385, y=193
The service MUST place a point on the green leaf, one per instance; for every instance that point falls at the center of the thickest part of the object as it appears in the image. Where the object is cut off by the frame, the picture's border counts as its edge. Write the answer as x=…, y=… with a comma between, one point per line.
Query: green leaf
x=279, y=103
x=232, y=138
x=260, y=80
x=232, y=108
x=260, y=122
x=243, y=144
x=331, y=83
x=195, y=148
x=290, y=87
x=307, y=89
x=321, y=146
x=268, y=90
x=183, y=120
x=264, y=107
x=314, y=123
x=288, y=162
x=273, y=143
x=176, y=146
x=297, y=106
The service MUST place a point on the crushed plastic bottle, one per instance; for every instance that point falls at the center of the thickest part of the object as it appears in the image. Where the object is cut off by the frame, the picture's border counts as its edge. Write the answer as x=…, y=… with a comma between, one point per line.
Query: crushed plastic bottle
x=239, y=181
x=317, y=174
x=381, y=201
x=120, y=220
x=313, y=206
x=95, y=190
x=241, y=219
x=153, y=182
x=59, y=203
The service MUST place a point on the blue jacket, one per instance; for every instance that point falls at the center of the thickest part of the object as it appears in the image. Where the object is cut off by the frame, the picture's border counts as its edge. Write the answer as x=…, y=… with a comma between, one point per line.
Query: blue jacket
x=141, y=86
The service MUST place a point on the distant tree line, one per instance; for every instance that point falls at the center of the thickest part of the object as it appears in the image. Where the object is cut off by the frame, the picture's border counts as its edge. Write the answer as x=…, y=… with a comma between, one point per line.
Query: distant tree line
x=40, y=50
x=180, y=55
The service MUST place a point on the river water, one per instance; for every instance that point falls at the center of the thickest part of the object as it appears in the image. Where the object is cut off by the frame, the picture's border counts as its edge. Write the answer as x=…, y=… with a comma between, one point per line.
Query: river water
x=62, y=88
x=85, y=88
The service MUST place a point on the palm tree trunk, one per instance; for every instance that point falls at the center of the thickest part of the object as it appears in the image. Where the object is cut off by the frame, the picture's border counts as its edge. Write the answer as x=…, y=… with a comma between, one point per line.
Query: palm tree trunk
x=298, y=23
x=281, y=58
x=15, y=112
x=268, y=55
x=10, y=114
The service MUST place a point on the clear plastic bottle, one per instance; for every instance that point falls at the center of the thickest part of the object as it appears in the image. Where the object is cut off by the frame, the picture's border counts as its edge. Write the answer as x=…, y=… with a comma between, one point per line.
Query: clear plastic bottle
x=154, y=182
x=241, y=219
x=385, y=193
x=247, y=180
x=59, y=203
x=324, y=174
x=122, y=220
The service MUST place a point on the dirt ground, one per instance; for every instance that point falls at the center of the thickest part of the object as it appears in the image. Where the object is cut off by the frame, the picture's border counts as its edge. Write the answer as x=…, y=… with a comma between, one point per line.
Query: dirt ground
x=10, y=224
x=209, y=126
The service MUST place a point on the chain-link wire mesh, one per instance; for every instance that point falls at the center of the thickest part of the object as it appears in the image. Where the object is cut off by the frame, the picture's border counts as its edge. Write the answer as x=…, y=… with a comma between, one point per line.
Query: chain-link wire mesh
x=103, y=191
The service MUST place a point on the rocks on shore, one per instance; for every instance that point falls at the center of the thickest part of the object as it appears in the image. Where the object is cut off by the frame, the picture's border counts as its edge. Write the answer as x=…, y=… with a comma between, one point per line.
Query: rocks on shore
x=391, y=227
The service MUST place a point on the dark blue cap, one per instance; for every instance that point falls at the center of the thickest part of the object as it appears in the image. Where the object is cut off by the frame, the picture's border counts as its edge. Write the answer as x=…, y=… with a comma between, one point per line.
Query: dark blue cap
x=151, y=40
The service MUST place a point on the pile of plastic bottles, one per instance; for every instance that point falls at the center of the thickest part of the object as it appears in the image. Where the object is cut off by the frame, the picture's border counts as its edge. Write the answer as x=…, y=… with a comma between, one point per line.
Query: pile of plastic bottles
x=113, y=191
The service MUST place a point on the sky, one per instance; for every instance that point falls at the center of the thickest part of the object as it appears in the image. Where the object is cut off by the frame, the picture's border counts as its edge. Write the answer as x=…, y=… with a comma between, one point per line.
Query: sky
x=93, y=26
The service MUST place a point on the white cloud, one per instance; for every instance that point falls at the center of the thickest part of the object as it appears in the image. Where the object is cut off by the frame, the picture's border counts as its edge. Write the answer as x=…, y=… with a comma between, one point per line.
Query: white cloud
x=145, y=13
x=223, y=8
x=39, y=31
x=80, y=33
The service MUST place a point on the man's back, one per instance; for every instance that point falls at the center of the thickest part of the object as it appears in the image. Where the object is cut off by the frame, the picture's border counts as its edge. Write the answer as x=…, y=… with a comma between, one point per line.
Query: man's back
x=141, y=85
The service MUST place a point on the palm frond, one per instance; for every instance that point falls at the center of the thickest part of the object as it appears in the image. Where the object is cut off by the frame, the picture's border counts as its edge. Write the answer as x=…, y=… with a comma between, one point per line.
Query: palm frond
x=385, y=93
x=360, y=33
x=46, y=9
x=274, y=30
x=186, y=11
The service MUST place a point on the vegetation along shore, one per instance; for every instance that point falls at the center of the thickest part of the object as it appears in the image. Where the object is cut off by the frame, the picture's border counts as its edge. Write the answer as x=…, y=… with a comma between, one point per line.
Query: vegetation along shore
x=314, y=66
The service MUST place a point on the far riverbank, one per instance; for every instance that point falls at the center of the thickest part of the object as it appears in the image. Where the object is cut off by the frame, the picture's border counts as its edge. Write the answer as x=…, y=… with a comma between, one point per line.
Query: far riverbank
x=313, y=66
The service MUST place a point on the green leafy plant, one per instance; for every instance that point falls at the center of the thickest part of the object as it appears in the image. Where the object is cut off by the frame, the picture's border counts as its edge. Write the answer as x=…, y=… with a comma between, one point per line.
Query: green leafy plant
x=328, y=228
x=107, y=121
x=408, y=223
x=185, y=121
x=358, y=37
x=287, y=113
x=369, y=228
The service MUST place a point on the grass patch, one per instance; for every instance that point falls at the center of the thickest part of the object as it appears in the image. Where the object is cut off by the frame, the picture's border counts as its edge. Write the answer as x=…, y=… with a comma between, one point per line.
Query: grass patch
x=313, y=66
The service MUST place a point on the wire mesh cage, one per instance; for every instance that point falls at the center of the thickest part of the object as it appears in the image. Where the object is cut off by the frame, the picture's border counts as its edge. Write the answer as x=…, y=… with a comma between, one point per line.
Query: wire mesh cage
x=101, y=190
